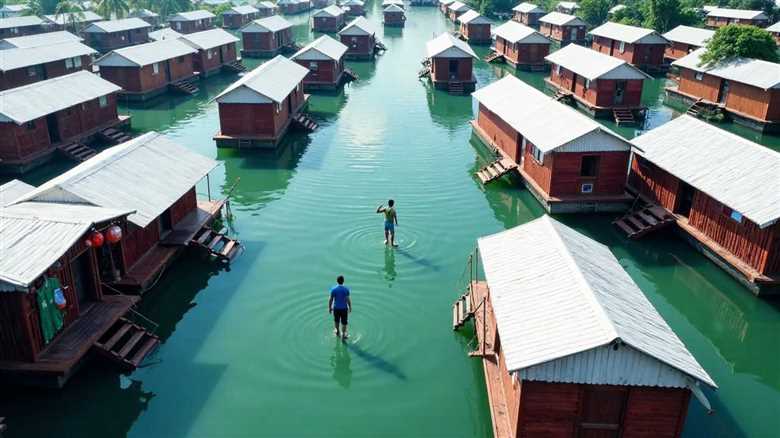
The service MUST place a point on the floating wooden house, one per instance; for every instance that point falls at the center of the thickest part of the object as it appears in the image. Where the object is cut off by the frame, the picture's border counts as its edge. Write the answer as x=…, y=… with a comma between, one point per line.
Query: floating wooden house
x=528, y=14
x=570, y=345
x=320, y=4
x=643, y=48
x=359, y=36
x=38, y=118
x=580, y=166
x=266, y=9
x=330, y=19
x=192, y=21
x=747, y=89
x=563, y=28
x=723, y=191
x=238, y=16
x=354, y=8
x=44, y=58
x=684, y=40
x=166, y=33
x=775, y=31
x=167, y=214
x=324, y=58
x=41, y=39
x=475, y=28
x=266, y=36
x=398, y=3
x=451, y=64
x=148, y=16
x=394, y=16
x=456, y=9
x=293, y=6
x=105, y=36
x=216, y=51
x=720, y=17
x=521, y=46
x=148, y=70
x=444, y=5
x=257, y=110
x=567, y=7
x=9, y=11
x=72, y=21
x=602, y=85
x=20, y=26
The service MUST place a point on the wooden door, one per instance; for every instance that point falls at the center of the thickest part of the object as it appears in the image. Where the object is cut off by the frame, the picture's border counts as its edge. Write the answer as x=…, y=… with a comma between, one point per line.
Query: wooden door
x=602, y=412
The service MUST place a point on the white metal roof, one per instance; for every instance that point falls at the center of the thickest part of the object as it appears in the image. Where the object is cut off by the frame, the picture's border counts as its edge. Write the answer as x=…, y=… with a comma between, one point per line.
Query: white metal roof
x=398, y=3
x=73, y=17
x=515, y=32
x=34, y=235
x=358, y=26
x=41, y=39
x=755, y=72
x=165, y=33
x=557, y=294
x=147, y=174
x=192, y=15
x=775, y=28
x=13, y=190
x=241, y=10
x=473, y=17
x=145, y=54
x=694, y=36
x=14, y=8
x=353, y=3
x=742, y=14
x=274, y=23
x=208, y=39
x=447, y=46
x=593, y=65
x=743, y=175
x=29, y=102
x=539, y=112
x=617, y=8
x=265, y=5
x=144, y=13
x=116, y=25
x=628, y=34
x=528, y=8
x=561, y=19
x=14, y=58
x=394, y=8
x=330, y=11
x=23, y=21
x=570, y=6
x=323, y=47
x=457, y=6
x=273, y=81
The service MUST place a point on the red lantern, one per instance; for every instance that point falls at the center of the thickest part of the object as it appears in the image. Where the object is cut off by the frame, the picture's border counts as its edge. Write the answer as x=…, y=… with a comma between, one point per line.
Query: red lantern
x=97, y=239
x=114, y=234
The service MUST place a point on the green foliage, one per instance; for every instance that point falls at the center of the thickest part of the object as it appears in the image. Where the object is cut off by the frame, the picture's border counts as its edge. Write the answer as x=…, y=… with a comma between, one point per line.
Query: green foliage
x=661, y=15
x=594, y=12
x=631, y=15
x=218, y=12
x=42, y=7
x=740, y=41
x=169, y=7
x=113, y=8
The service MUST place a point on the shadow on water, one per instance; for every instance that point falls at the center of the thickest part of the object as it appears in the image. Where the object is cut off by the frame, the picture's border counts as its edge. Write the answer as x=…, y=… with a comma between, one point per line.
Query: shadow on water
x=326, y=105
x=375, y=361
x=448, y=111
x=422, y=261
x=365, y=69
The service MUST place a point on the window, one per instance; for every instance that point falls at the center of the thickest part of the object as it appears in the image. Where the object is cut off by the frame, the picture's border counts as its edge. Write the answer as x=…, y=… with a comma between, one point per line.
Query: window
x=69, y=63
x=180, y=59
x=313, y=66
x=15, y=30
x=587, y=84
x=278, y=108
x=77, y=61
x=122, y=37
x=103, y=101
x=30, y=125
x=589, y=167
x=208, y=54
x=31, y=71
x=586, y=188
x=178, y=25
x=699, y=76
x=537, y=154
x=155, y=68
x=557, y=70
x=732, y=214
x=622, y=46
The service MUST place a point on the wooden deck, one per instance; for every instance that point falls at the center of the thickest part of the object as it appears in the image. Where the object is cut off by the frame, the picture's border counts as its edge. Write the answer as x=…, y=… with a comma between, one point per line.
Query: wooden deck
x=188, y=227
x=61, y=357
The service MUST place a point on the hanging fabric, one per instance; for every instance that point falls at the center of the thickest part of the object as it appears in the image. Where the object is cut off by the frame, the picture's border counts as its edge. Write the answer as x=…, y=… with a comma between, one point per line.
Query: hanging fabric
x=50, y=315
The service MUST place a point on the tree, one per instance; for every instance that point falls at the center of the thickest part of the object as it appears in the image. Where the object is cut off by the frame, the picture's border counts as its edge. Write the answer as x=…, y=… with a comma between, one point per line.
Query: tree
x=594, y=12
x=113, y=8
x=742, y=41
x=42, y=7
x=631, y=15
x=73, y=14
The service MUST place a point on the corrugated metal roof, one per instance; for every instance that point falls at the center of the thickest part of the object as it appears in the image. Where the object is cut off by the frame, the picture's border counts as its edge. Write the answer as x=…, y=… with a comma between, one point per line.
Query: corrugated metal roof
x=353, y=3
x=23, y=21
x=446, y=2
x=144, y=13
x=265, y=5
x=165, y=33
x=398, y=3
x=241, y=10
x=539, y=112
x=274, y=23
x=755, y=72
x=561, y=19
x=111, y=26
x=14, y=8
x=73, y=17
x=34, y=235
x=394, y=8
x=29, y=102
x=358, y=26
x=324, y=45
x=454, y=47
x=41, y=39
x=208, y=39
x=274, y=80
x=568, y=5
x=515, y=32
x=147, y=174
x=473, y=17
x=743, y=14
x=557, y=293
x=14, y=58
x=13, y=190
x=192, y=15
x=617, y=8
x=736, y=172
x=694, y=36
x=527, y=8
x=145, y=54
x=775, y=28
x=593, y=65
x=330, y=11
x=457, y=6
x=628, y=34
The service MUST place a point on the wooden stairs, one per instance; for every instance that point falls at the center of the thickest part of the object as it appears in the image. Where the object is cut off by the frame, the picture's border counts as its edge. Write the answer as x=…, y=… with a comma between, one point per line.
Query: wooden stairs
x=643, y=221
x=218, y=244
x=77, y=151
x=291, y=47
x=379, y=46
x=456, y=88
x=350, y=75
x=303, y=121
x=126, y=344
x=495, y=170
x=494, y=56
x=114, y=136
x=562, y=95
x=624, y=117
x=424, y=72
x=461, y=311
x=185, y=86
x=234, y=67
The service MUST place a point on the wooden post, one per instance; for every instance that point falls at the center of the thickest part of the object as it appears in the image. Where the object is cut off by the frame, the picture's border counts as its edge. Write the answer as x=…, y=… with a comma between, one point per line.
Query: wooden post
x=208, y=185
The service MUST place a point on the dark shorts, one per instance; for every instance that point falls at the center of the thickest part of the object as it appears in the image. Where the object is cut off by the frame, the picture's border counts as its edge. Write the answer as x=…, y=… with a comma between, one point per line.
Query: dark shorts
x=340, y=315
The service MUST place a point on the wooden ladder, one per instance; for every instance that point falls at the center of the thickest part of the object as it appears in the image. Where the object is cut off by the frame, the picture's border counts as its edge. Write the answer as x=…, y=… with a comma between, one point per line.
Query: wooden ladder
x=643, y=221
x=455, y=88
x=495, y=170
x=424, y=72
x=350, y=75
x=126, y=344
x=561, y=95
x=305, y=122
x=624, y=117
x=695, y=108
x=77, y=152
x=461, y=311
x=185, y=86
x=379, y=46
x=494, y=56
x=115, y=136
x=234, y=66
x=218, y=244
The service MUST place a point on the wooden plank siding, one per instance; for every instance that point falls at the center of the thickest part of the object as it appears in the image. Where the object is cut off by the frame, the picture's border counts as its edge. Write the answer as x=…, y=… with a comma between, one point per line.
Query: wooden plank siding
x=529, y=19
x=476, y=33
x=598, y=93
x=105, y=42
x=206, y=61
x=259, y=120
x=677, y=50
x=636, y=54
x=522, y=54
x=36, y=73
x=502, y=135
x=563, y=34
x=266, y=41
x=144, y=79
x=440, y=70
x=360, y=46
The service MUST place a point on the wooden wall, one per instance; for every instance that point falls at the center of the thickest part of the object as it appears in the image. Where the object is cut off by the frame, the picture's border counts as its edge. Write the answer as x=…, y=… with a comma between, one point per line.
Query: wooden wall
x=21, y=76
x=653, y=182
x=394, y=18
x=326, y=72
x=192, y=26
x=236, y=21
x=12, y=32
x=600, y=92
x=609, y=180
x=184, y=206
x=563, y=34
x=677, y=50
x=105, y=42
x=636, y=54
x=500, y=133
x=530, y=20
x=358, y=45
x=204, y=63
x=256, y=120
x=327, y=24
x=741, y=98
x=440, y=70
x=476, y=32
x=541, y=173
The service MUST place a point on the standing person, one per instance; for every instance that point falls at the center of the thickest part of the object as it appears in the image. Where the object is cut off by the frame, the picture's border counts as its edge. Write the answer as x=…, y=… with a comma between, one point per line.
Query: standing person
x=391, y=221
x=340, y=306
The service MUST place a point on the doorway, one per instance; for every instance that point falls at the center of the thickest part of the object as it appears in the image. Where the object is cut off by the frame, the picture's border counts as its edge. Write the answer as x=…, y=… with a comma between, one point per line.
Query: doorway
x=83, y=279
x=166, y=222
x=168, y=70
x=602, y=412
x=453, y=68
x=723, y=92
x=620, y=92
x=684, y=199
x=52, y=124
x=222, y=54
x=289, y=104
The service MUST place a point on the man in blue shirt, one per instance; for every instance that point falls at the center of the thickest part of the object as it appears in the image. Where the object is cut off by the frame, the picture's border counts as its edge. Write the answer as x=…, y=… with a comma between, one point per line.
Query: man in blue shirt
x=340, y=306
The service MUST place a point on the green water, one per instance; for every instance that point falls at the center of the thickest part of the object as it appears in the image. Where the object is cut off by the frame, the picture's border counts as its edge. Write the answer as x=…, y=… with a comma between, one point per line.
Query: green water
x=249, y=352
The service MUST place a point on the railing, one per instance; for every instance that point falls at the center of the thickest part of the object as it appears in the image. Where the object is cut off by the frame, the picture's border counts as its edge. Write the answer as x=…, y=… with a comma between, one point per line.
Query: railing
x=136, y=316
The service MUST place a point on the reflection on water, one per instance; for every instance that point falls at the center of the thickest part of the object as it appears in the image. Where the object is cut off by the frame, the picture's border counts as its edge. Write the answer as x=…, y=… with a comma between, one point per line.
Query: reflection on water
x=341, y=363
x=390, y=272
